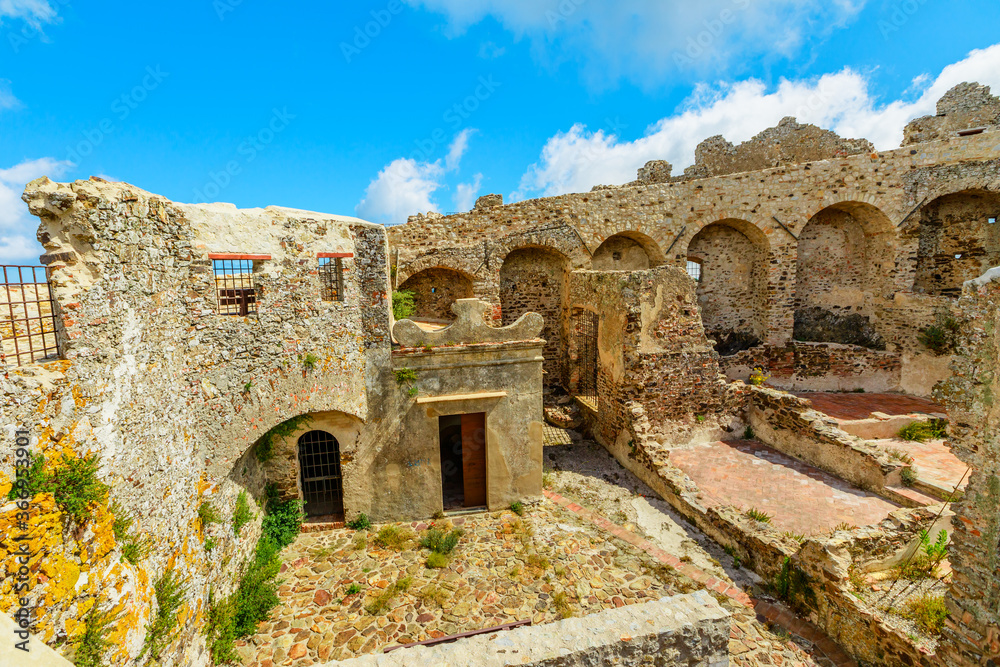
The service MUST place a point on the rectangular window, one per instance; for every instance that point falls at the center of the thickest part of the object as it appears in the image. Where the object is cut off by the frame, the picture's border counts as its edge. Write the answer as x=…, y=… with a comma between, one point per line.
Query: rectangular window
x=27, y=316
x=694, y=270
x=331, y=275
x=234, y=283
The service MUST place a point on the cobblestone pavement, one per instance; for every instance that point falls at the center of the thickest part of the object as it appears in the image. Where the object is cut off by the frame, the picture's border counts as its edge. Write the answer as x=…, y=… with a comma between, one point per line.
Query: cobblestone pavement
x=799, y=498
x=504, y=569
x=861, y=406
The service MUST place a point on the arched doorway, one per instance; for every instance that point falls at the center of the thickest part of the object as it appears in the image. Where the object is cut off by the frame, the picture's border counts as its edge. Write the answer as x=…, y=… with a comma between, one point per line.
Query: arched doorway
x=537, y=280
x=845, y=255
x=728, y=259
x=959, y=240
x=627, y=251
x=320, y=474
x=435, y=290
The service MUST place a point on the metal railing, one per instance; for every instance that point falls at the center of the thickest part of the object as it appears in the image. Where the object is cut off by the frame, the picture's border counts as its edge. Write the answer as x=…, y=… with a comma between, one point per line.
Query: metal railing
x=27, y=315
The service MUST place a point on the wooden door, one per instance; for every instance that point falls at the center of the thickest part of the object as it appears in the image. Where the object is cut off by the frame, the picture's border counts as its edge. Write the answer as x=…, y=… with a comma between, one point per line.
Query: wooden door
x=474, y=459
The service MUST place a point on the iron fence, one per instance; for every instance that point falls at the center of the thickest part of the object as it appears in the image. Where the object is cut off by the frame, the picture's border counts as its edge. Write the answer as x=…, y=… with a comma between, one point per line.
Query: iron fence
x=27, y=315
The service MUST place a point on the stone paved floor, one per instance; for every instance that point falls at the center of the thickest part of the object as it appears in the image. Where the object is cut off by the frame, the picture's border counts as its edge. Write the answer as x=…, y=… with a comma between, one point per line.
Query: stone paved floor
x=501, y=572
x=798, y=497
x=861, y=406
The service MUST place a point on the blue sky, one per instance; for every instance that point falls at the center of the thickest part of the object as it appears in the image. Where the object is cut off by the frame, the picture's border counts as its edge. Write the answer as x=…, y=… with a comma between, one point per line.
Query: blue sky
x=383, y=109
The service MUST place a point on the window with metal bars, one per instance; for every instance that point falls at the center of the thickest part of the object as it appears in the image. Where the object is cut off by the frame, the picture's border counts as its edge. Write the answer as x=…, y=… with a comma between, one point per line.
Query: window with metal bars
x=331, y=278
x=234, y=285
x=322, y=482
x=586, y=346
x=27, y=315
x=694, y=269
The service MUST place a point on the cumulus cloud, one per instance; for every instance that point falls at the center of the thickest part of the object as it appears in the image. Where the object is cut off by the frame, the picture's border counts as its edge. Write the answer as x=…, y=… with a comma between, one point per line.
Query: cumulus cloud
x=17, y=226
x=644, y=40
x=579, y=158
x=405, y=186
x=7, y=99
x=465, y=193
x=35, y=12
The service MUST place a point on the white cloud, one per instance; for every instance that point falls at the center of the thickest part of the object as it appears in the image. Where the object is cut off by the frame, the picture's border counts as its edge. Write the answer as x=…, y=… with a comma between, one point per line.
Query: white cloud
x=645, y=40
x=7, y=99
x=17, y=226
x=465, y=194
x=35, y=12
x=405, y=187
x=578, y=159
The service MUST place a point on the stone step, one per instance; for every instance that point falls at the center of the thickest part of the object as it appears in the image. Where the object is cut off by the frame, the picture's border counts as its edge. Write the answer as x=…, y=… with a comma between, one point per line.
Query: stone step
x=321, y=526
x=909, y=497
x=933, y=489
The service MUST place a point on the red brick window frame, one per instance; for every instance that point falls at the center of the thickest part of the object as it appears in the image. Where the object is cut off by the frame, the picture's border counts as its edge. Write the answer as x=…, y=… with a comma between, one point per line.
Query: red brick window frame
x=331, y=274
x=235, y=287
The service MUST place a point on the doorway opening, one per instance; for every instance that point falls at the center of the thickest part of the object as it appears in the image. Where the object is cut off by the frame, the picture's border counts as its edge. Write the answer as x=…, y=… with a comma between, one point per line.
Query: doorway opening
x=463, y=460
x=322, y=481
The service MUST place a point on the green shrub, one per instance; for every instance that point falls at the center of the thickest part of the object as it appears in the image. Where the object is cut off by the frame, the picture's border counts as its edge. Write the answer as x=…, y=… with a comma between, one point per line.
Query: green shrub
x=932, y=429
x=381, y=602
x=908, y=476
x=928, y=611
x=757, y=515
x=208, y=514
x=309, y=361
x=393, y=537
x=220, y=631
x=354, y=589
x=748, y=433
x=758, y=376
x=927, y=557
x=942, y=337
x=439, y=541
x=517, y=508
x=34, y=477
x=94, y=642
x=134, y=547
x=210, y=543
x=242, y=514
x=405, y=376
x=170, y=590
x=436, y=560
x=361, y=522
x=403, y=304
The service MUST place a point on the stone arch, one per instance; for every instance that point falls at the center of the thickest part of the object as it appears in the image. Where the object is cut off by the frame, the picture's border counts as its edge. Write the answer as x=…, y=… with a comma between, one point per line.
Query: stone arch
x=435, y=290
x=846, y=257
x=627, y=251
x=956, y=241
x=733, y=284
x=536, y=279
x=562, y=239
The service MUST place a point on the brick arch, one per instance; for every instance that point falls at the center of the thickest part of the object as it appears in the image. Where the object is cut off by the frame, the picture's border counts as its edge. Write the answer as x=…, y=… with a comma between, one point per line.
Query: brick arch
x=462, y=264
x=563, y=239
x=732, y=290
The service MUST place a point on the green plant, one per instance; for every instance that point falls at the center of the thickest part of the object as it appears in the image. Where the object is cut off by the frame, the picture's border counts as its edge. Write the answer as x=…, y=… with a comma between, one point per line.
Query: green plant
x=758, y=376
x=220, y=630
x=242, y=514
x=265, y=446
x=34, y=479
x=309, y=361
x=381, y=602
x=517, y=508
x=208, y=514
x=843, y=525
x=748, y=433
x=353, y=589
x=439, y=541
x=928, y=612
x=403, y=304
x=134, y=547
x=791, y=582
x=247, y=386
x=699, y=418
x=361, y=522
x=436, y=560
x=170, y=590
x=405, y=376
x=899, y=455
x=210, y=543
x=394, y=537
x=857, y=578
x=757, y=515
x=282, y=519
x=435, y=594
x=908, y=476
x=547, y=479
x=932, y=429
x=94, y=642
x=561, y=602
x=798, y=537
x=942, y=337
x=412, y=391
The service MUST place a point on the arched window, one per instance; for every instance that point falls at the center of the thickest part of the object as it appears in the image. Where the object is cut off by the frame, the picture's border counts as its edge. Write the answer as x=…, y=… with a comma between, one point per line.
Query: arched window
x=322, y=483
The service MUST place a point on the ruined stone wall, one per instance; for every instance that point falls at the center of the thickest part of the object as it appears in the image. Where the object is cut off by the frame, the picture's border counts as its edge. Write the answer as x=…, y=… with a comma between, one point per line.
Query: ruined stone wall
x=967, y=106
x=537, y=280
x=434, y=290
x=973, y=629
x=620, y=253
x=171, y=396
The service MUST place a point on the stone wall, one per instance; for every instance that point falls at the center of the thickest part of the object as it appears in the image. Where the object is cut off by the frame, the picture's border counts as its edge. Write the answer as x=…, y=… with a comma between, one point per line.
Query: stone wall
x=435, y=290
x=171, y=396
x=964, y=107
x=973, y=630
x=690, y=630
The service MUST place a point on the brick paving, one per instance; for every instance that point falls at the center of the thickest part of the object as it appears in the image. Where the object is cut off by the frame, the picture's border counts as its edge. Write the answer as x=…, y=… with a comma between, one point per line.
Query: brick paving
x=749, y=644
x=799, y=498
x=934, y=461
x=860, y=406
